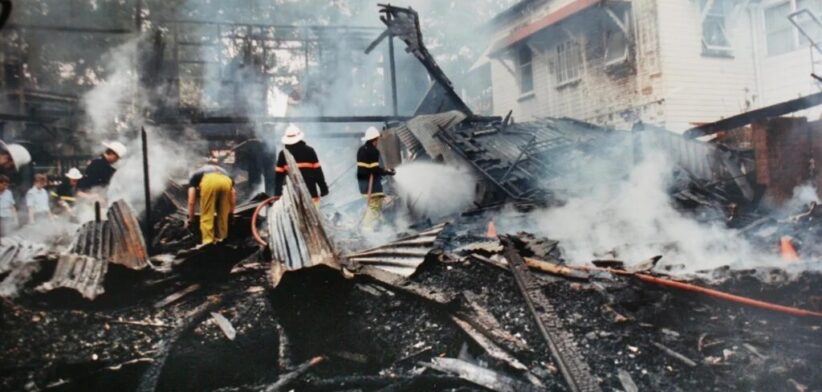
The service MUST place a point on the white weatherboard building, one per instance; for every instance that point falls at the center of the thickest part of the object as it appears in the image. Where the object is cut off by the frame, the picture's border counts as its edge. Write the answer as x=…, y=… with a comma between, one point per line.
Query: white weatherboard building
x=673, y=63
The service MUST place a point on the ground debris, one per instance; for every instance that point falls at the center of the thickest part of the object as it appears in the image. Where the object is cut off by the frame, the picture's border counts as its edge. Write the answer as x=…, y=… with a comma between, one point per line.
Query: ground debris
x=478, y=375
x=675, y=354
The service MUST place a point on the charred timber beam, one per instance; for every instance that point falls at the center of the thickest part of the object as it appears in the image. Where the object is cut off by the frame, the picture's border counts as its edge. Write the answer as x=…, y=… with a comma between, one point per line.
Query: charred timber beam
x=147, y=189
x=304, y=119
x=746, y=118
x=67, y=29
x=25, y=118
x=274, y=26
x=564, y=351
x=298, y=119
x=404, y=23
x=5, y=12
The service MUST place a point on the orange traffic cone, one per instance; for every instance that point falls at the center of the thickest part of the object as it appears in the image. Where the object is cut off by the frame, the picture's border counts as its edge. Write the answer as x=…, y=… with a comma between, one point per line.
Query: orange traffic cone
x=787, y=250
x=492, y=230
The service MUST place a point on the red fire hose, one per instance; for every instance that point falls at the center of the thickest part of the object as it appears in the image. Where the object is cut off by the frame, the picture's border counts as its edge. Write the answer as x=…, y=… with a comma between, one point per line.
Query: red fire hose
x=728, y=297
x=711, y=293
x=254, y=231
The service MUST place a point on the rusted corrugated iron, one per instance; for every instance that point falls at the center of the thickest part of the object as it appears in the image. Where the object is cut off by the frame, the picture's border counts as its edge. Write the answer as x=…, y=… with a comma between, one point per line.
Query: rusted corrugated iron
x=20, y=257
x=129, y=246
x=93, y=239
x=297, y=235
x=401, y=257
x=82, y=273
x=118, y=239
x=15, y=252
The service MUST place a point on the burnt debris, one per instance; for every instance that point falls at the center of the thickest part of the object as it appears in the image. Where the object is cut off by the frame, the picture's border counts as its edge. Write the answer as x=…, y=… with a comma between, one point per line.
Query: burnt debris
x=298, y=298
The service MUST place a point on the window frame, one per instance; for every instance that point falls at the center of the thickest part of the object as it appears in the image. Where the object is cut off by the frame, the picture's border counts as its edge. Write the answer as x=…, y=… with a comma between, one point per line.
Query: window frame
x=625, y=30
x=521, y=66
x=715, y=10
x=798, y=41
x=563, y=57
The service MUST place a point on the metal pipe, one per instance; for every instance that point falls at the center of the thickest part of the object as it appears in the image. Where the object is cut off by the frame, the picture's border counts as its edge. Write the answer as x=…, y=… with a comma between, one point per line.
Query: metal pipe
x=393, y=73
x=147, y=188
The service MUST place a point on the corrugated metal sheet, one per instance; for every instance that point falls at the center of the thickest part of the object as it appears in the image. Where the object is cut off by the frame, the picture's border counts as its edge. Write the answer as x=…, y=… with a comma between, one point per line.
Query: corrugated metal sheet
x=297, y=235
x=15, y=252
x=698, y=158
x=82, y=273
x=117, y=239
x=425, y=128
x=408, y=140
x=401, y=257
x=522, y=160
x=129, y=246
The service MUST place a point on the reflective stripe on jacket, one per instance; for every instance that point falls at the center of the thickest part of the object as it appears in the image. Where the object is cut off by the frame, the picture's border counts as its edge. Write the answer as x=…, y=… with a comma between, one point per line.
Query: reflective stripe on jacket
x=309, y=166
x=368, y=166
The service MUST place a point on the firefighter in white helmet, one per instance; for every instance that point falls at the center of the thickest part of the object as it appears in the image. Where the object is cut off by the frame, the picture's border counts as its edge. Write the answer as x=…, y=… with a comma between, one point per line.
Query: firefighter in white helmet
x=12, y=158
x=369, y=178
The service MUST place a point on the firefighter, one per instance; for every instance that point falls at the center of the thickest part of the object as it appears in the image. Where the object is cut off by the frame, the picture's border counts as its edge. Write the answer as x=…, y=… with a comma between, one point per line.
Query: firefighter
x=66, y=194
x=217, y=201
x=100, y=170
x=369, y=178
x=12, y=158
x=307, y=162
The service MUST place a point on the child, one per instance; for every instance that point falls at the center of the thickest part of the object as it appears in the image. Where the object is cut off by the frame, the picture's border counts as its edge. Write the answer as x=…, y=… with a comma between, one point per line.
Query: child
x=37, y=200
x=8, y=214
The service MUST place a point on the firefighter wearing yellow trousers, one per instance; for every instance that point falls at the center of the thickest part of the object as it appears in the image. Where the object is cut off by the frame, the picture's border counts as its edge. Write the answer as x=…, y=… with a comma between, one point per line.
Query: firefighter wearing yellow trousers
x=369, y=178
x=217, y=201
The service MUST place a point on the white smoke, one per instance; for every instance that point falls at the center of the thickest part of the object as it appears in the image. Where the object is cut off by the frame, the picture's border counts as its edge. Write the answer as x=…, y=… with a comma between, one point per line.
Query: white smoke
x=435, y=190
x=107, y=103
x=633, y=220
x=111, y=117
x=803, y=195
x=168, y=160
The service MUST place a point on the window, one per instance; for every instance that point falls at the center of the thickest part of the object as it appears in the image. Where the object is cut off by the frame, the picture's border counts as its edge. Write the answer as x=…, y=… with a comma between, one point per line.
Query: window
x=781, y=35
x=778, y=28
x=714, y=33
x=616, y=37
x=569, y=62
x=526, y=71
x=616, y=46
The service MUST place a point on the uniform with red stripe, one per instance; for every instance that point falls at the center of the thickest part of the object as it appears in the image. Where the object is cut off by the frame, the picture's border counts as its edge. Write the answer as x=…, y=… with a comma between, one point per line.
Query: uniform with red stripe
x=309, y=166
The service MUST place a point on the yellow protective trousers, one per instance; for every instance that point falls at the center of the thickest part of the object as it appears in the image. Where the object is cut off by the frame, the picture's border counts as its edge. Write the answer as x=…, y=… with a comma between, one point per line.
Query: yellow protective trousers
x=215, y=200
x=373, y=212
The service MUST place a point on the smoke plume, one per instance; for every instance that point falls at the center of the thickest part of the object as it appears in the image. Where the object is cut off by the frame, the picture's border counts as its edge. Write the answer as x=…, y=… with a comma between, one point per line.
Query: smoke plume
x=634, y=219
x=435, y=190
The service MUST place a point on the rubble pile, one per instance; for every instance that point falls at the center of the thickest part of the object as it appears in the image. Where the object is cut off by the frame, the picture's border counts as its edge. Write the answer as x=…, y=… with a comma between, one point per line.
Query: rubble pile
x=459, y=314
x=453, y=306
x=298, y=298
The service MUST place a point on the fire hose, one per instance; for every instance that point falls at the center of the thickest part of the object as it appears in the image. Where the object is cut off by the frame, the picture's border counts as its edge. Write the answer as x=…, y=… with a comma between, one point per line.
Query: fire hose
x=711, y=293
x=728, y=297
x=257, y=210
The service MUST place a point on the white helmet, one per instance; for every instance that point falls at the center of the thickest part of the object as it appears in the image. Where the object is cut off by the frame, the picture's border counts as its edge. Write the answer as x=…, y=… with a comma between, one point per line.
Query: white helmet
x=117, y=147
x=370, y=134
x=74, y=174
x=19, y=155
x=293, y=135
